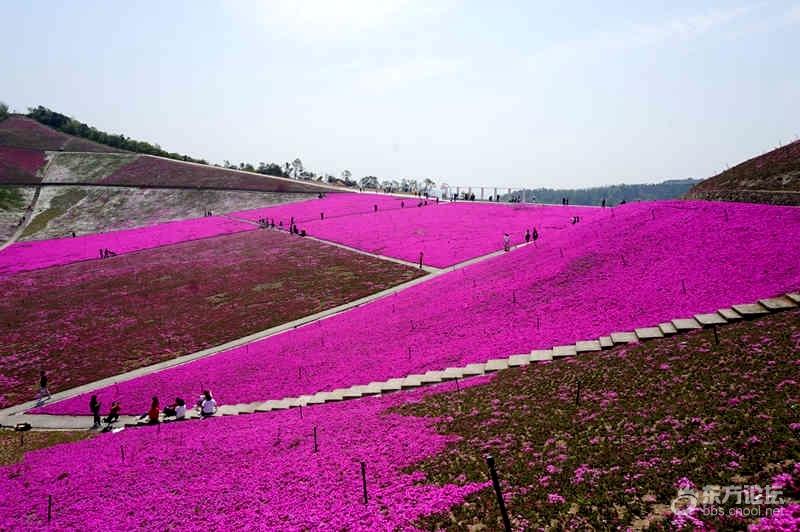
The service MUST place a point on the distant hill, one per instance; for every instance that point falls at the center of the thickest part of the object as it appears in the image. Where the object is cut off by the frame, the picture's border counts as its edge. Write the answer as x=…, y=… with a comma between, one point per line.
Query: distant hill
x=770, y=178
x=26, y=146
x=613, y=194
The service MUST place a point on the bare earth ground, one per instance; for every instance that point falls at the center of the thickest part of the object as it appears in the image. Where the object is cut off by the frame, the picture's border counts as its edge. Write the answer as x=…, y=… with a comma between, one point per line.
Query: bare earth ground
x=14, y=445
x=62, y=210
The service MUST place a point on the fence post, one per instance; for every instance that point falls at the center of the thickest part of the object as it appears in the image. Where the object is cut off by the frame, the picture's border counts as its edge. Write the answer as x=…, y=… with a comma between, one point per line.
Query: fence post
x=364, y=481
x=498, y=493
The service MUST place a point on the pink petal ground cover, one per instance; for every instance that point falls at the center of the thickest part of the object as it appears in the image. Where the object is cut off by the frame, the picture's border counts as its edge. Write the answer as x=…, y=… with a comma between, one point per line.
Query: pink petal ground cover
x=155, y=171
x=24, y=132
x=244, y=472
x=89, y=320
x=626, y=269
x=19, y=165
x=446, y=234
x=33, y=255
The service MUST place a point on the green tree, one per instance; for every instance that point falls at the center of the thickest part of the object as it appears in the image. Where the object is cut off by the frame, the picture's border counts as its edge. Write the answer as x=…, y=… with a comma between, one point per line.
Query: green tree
x=3, y=110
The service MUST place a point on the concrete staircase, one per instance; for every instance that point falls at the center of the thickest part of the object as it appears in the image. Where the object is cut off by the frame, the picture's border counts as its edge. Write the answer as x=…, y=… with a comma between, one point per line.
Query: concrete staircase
x=676, y=326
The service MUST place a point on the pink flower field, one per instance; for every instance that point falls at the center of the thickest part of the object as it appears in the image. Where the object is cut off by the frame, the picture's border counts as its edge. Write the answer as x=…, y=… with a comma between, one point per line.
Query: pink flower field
x=34, y=255
x=632, y=266
x=19, y=165
x=446, y=234
x=181, y=477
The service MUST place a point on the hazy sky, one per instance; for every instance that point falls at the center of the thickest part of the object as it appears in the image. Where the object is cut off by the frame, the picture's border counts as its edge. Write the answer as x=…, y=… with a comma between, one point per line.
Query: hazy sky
x=495, y=93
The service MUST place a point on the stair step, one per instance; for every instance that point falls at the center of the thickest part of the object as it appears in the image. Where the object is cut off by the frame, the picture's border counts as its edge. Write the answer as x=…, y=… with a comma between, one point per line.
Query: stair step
x=606, y=342
x=777, y=303
x=750, y=309
x=586, y=346
x=474, y=369
x=686, y=324
x=453, y=373
x=624, y=338
x=648, y=333
x=794, y=296
x=712, y=318
x=667, y=328
x=412, y=381
x=729, y=314
x=497, y=364
x=561, y=351
x=540, y=355
x=515, y=361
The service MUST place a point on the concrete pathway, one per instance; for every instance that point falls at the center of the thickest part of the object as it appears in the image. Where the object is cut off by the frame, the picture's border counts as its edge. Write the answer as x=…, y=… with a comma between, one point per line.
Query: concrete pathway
x=579, y=348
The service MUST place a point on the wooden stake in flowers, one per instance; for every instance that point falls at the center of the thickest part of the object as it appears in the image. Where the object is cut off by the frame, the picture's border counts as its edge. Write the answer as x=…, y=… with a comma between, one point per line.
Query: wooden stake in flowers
x=716, y=335
x=122, y=452
x=578, y=393
x=364, y=481
x=498, y=492
x=683, y=285
x=49, y=508
x=315, y=439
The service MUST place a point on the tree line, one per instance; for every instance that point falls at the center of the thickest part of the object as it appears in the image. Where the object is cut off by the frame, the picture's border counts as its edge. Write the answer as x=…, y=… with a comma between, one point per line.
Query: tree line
x=612, y=194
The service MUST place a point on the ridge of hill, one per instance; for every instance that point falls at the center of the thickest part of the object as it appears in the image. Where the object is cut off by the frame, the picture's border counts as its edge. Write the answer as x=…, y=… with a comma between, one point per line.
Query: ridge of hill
x=773, y=177
x=26, y=144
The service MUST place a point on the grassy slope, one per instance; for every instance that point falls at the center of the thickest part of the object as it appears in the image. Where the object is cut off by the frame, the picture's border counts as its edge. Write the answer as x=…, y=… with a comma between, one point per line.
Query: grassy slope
x=61, y=202
x=10, y=198
x=648, y=415
x=777, y=171
x=90, y=320
x=11, y=451
x=84, y=168
x=113, y=208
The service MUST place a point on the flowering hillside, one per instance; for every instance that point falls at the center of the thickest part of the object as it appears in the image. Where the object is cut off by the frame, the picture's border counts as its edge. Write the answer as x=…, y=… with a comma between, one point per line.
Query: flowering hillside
x=683, y=412
x=20, y=166
x=635, y=266
x=246, y=472
x=676, y=413
x=446, y=233
x=773, y=177
x=34, y=255
x=95, y=319
x=147, y=171
x=23, y=132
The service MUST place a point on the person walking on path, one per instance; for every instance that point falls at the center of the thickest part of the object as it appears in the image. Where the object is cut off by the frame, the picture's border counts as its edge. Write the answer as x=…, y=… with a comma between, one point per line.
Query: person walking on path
x=94, y=406
x=506, y=242
x=42, y=389
x=527, y=235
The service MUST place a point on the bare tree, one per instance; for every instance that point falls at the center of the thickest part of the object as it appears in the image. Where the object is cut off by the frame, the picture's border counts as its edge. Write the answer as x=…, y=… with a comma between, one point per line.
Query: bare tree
x=297, y=165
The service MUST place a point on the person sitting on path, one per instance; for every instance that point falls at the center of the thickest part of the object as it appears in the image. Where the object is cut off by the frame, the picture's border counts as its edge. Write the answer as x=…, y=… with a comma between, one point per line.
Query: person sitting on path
x=209, y=406
x=113, y=414
x=152, y=414
x=94, y=406
x=180, y=408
